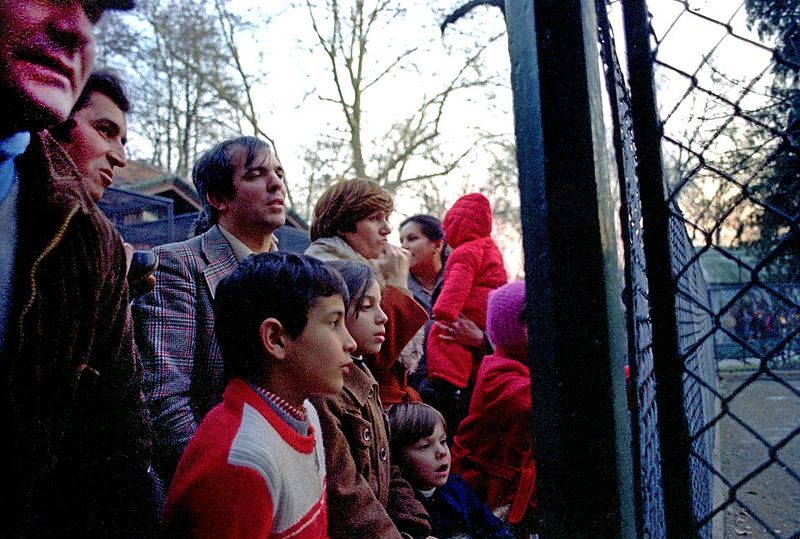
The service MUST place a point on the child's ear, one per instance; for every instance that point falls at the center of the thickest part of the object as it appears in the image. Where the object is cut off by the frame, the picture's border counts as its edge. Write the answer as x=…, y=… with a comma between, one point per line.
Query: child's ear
x=273, y=338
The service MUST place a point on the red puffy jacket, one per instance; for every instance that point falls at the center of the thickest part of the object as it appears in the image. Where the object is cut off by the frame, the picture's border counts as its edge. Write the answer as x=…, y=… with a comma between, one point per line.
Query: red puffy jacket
x=473, y=269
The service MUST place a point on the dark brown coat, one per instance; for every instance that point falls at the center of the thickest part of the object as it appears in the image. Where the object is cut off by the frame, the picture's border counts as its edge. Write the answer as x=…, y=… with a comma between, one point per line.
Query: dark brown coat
x=75, y=426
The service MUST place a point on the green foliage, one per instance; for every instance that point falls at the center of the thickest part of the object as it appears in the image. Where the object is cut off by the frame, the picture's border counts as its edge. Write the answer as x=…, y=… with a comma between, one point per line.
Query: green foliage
x=777, y=184
x=779, y=19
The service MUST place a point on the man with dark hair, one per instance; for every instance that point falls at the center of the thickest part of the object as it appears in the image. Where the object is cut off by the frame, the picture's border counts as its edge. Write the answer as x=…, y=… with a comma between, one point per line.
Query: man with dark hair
x=94, y=136
x=75, y=427
x=241, y=184
x=96, y=131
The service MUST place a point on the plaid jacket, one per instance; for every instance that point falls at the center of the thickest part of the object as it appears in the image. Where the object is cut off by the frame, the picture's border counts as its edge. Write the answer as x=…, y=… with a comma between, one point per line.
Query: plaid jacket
x=174, y=326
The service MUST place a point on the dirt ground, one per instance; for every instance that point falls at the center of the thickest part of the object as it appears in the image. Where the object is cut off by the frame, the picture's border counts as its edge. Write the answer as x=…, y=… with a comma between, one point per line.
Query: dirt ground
x=772, y=495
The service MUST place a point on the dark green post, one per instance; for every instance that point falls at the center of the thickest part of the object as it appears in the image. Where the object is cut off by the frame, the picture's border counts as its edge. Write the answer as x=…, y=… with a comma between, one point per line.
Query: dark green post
x=571, y=240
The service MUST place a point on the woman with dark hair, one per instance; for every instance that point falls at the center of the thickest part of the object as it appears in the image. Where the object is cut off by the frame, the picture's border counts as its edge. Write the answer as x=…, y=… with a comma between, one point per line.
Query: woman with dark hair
x=423, y=237
x=350, y=222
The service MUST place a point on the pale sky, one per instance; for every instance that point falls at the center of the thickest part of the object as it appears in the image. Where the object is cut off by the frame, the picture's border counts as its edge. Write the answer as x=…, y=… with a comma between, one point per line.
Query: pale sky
x=296, y=109
x=296, y=78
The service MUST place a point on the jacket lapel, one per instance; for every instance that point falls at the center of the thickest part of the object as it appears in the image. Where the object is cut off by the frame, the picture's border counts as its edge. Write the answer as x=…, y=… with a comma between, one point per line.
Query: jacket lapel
x=220, y=258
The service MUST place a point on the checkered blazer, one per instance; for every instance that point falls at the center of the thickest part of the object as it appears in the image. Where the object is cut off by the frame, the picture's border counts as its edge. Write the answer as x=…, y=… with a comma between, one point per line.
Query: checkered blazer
x=180, y=355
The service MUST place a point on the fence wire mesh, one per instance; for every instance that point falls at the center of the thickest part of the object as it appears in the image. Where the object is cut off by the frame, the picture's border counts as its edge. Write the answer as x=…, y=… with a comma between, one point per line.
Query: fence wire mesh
x=729, y=96
x=644, y=424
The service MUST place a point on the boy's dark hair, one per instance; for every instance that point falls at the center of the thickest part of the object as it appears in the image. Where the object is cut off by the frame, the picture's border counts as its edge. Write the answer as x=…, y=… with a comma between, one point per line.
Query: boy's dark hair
x=100, y=82
x=283, y=286
x=213, y=173
x=409, y=422
x=358, y=278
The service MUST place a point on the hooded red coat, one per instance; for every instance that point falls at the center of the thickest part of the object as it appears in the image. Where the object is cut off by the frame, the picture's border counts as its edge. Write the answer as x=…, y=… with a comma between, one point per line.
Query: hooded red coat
x=473, y=269
x=493, y=449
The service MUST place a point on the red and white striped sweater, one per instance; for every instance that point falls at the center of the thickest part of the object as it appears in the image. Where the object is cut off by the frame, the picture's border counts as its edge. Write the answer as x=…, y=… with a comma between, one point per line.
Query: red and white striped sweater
x=247, y=473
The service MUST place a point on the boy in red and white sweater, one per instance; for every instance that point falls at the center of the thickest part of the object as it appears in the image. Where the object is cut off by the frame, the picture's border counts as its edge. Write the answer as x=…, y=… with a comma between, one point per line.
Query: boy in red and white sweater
x=256, y=466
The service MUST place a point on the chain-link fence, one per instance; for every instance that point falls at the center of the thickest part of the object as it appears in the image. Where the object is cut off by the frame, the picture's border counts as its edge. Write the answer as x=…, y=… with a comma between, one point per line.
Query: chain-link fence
x=704, y=114
x=644, y=427
x=726, y=78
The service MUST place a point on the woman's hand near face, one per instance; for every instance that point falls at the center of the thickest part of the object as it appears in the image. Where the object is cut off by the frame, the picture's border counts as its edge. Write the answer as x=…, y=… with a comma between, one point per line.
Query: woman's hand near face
x=393, y=263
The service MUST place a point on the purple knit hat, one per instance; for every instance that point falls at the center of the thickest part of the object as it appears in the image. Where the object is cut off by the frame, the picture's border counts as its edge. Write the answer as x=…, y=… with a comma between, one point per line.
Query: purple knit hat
x=503, y=326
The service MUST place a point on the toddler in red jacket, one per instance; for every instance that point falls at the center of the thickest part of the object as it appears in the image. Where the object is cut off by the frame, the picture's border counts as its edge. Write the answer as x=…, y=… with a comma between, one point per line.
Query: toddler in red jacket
x=473, y=269
x=493, y=447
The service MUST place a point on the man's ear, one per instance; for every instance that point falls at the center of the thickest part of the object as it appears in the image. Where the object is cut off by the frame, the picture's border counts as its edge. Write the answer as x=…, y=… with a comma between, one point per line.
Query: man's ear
x=217, y=202
x=273, y=338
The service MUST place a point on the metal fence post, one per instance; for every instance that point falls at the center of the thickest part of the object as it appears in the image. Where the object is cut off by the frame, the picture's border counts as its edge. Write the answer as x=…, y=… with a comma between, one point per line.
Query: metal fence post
x=673, y=427
x=576, y=327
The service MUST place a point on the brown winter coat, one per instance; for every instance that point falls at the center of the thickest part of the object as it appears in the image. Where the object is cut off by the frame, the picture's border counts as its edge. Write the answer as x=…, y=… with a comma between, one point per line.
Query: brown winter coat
x=75, y=427
x=367, y=497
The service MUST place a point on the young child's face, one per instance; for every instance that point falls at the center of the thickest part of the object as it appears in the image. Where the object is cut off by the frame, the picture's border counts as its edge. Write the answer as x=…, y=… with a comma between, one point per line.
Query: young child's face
x=369, y=329
x=428, y=461
x=320, y=355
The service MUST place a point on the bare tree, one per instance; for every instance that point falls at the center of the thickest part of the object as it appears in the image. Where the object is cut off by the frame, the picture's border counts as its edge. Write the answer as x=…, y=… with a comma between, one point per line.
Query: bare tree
x=713, y=161
x=409, y=152
x=182, y=65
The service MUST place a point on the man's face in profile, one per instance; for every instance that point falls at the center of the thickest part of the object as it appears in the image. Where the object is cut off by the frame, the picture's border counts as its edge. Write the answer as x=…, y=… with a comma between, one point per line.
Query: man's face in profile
x=46, y=54
x=96, y=142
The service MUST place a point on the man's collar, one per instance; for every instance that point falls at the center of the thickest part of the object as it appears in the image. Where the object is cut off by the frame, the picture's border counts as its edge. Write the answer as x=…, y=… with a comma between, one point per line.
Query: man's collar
x=14, y=145
x=240, y=250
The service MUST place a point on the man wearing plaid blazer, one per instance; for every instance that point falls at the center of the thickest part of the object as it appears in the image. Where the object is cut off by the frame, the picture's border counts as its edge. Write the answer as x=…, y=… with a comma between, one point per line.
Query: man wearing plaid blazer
x=241, y=184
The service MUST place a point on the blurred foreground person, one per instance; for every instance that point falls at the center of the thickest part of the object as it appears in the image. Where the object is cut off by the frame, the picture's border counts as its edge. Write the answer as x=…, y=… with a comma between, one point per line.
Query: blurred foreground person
x=76, y=432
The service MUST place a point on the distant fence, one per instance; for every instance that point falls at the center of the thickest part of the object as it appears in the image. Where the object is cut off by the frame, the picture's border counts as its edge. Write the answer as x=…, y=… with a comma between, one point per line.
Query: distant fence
x=756, y=323
x=148, y=220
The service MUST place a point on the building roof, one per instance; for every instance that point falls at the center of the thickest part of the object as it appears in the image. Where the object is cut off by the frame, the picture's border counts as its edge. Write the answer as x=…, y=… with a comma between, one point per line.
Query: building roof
x=726, y=266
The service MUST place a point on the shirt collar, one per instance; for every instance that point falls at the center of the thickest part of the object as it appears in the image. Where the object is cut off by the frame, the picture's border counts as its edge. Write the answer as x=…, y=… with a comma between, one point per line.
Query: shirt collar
x=14, y=145
x=240, y=250
x=300, y=414
x=427, y=493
